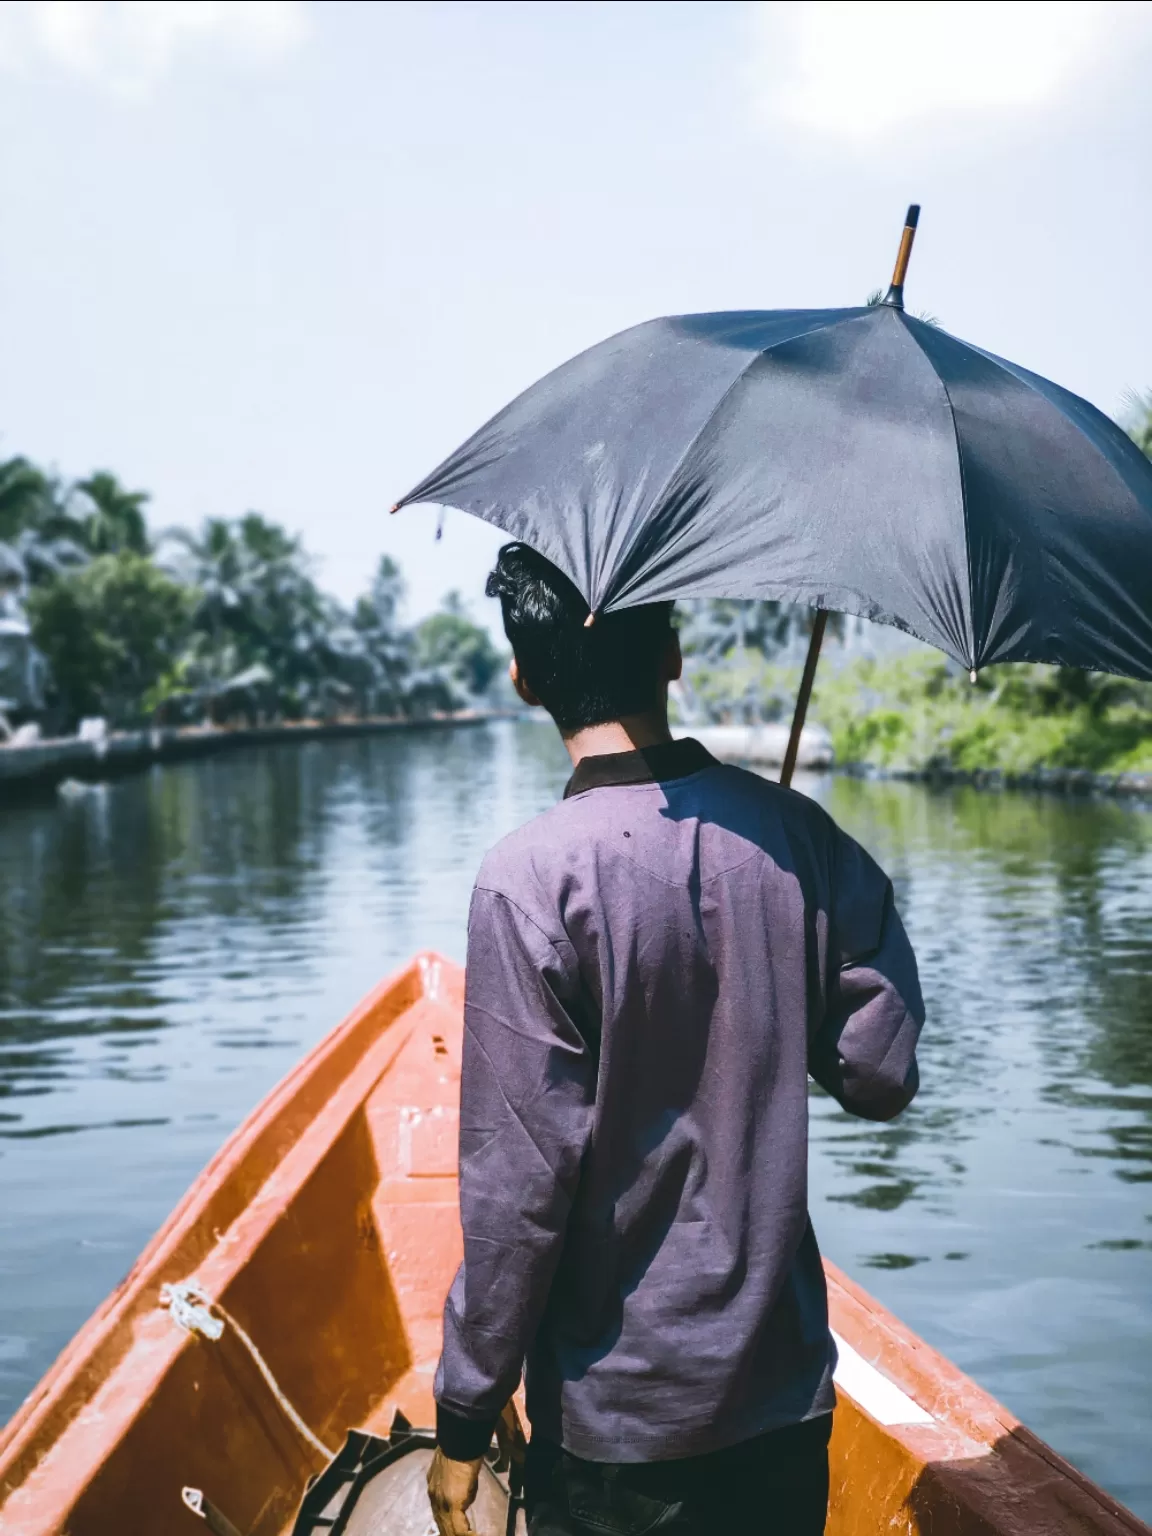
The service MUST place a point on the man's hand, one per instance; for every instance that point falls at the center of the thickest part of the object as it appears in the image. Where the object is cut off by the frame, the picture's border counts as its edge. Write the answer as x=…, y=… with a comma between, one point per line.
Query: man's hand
x=451, y=1490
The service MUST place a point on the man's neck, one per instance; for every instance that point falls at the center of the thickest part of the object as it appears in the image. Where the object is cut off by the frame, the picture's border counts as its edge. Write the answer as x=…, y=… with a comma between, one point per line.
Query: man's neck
x=627, y=735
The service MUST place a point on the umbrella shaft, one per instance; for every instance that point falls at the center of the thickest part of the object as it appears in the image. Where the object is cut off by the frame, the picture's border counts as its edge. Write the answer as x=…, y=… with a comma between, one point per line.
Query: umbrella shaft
x=904, y=254
x=895, y=295
x=803, y=697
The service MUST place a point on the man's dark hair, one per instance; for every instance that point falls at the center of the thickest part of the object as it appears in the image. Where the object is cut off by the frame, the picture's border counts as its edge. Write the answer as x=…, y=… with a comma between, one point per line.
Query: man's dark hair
x=582, y=676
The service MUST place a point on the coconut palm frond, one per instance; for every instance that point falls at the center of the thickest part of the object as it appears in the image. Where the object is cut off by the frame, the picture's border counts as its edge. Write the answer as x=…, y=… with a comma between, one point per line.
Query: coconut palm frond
x=112, y=516
x=877, y=297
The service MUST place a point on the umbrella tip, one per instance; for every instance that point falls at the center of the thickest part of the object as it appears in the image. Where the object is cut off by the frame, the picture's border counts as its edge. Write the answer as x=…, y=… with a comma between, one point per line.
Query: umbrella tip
x=894, y=298
x=591, y=619
x=972, y=675
x=395, y=507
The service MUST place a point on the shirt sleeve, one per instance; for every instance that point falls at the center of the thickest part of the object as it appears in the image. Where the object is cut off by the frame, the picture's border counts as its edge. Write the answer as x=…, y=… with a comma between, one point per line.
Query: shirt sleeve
x=864, y=1050
x=527, y=1090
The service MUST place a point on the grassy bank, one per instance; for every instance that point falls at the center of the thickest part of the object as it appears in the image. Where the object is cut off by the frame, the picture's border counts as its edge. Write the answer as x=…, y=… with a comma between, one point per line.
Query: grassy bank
x=918, y=713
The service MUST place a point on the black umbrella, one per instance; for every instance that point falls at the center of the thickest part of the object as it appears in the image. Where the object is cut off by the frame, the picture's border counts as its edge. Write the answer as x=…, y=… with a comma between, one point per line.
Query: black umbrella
x=857, y=460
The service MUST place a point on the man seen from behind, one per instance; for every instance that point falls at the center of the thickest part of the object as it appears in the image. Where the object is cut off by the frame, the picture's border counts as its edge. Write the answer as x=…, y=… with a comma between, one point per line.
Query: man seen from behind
x=655, y=966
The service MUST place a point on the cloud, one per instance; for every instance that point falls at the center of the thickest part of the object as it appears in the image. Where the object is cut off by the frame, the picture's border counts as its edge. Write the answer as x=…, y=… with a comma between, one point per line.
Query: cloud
x=129, y=46
x=861, y=69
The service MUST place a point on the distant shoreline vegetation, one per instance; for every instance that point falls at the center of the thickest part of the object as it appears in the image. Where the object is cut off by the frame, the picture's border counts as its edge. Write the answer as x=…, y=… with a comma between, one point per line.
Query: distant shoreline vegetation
x=910, y=710
x=100, y=618
x=920, y=714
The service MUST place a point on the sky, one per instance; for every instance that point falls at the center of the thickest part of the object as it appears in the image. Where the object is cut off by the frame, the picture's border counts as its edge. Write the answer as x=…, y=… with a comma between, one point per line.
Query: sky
x=286, y=256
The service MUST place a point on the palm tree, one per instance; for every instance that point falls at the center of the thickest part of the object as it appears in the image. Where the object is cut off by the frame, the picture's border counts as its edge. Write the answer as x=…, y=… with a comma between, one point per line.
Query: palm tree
x=39, y=538
x=116, y=520
x=387, y=647
x=386, y=594
x=24, y=490
x=258, y=603
x=212, y=563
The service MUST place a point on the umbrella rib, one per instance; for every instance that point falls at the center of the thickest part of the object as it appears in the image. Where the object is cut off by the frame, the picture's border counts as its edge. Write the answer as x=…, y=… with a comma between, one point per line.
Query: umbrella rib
x=707, y=422
x=972, y=659
x=679, y=464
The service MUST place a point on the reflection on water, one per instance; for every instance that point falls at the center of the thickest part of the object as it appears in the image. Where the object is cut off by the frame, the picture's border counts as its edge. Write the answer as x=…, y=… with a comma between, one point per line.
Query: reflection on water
x=170, y=944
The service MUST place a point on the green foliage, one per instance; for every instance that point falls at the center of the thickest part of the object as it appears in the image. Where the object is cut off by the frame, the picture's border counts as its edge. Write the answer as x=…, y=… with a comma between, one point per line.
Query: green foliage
x=877, y=297
x=462, y=650
x=225, y=621
x=256, y=603
x=920, y=712
x=1139, y=421
x=25, y=494
x=116, y=519
x=39, y=537
x=386, y=647
x=231, y=616
x=729, y=647
x=742, y=687
x=716, y=627
x=110, y=632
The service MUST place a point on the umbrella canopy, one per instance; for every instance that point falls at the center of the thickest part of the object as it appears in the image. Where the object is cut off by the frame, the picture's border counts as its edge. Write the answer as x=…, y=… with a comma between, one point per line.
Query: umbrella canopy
x=858, y=460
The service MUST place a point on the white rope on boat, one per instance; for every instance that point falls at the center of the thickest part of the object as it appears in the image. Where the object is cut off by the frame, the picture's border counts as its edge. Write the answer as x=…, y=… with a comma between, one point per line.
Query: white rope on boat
x=191, y=1308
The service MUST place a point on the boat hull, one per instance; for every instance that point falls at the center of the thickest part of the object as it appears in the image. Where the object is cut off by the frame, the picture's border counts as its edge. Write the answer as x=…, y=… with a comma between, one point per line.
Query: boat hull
x=327, y=1229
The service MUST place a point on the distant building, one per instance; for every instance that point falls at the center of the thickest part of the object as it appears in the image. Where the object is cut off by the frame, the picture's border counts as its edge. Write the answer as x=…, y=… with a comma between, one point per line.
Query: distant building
x=23, y=671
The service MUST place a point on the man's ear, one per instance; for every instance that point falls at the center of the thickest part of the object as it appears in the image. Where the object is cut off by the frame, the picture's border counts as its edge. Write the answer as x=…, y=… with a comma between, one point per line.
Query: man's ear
x=673, y=664
x=521, y=686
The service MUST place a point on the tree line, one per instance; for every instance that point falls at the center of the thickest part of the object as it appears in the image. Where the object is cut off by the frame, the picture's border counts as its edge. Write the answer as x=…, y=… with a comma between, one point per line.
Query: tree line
x=223, y=621
x=229, y=619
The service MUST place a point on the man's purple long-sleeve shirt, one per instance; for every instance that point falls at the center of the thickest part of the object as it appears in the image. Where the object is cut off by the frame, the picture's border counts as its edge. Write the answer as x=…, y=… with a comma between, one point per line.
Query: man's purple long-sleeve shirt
x=654, y=968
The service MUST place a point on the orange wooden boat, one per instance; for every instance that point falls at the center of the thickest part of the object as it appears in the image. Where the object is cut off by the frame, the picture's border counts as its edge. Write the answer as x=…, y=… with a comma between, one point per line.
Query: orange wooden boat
x=322, y=1238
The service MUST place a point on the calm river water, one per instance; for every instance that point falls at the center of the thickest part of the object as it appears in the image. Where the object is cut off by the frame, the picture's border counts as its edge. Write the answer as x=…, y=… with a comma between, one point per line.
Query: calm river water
x=169, y=945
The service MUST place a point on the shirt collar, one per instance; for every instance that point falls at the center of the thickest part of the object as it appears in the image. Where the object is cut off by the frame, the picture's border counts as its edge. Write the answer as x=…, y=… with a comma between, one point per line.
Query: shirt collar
x=646, y=765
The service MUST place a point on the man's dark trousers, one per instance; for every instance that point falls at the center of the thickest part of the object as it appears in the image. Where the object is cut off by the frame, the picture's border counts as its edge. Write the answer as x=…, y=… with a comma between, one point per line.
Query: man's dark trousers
x=773, y=1485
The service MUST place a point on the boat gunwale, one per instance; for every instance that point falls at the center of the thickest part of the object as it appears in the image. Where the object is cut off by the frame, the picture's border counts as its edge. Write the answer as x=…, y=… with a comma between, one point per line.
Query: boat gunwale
x=257, y=1148
x=960, y=1408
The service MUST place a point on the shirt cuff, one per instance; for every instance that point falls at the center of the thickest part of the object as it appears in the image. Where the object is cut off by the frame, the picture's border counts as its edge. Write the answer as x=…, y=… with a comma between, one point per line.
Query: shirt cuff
x=463, y=1439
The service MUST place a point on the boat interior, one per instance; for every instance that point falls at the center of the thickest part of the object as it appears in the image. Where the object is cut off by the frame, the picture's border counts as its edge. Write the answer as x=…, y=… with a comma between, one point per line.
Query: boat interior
x=295, y=1294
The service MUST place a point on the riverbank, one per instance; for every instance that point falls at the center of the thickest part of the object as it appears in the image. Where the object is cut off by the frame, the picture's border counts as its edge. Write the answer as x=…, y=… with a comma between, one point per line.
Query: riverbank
x=44, y=765
x=1018, y=726
x=1058, y=781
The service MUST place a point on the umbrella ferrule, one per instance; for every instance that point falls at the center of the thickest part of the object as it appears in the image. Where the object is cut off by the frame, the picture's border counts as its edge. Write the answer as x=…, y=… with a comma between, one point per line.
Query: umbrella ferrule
x=894, y=298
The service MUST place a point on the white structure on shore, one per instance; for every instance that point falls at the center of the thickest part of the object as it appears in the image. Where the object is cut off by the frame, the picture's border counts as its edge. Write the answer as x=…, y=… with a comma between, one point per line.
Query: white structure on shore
x=23, y=671
x=763, y=745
